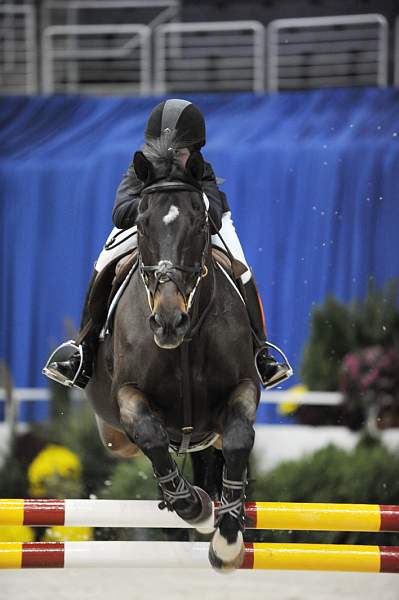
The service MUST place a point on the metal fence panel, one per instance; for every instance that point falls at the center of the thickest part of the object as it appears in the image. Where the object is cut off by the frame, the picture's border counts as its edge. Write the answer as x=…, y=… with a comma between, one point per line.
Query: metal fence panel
x=327, y=51
x=209, y=56
x=18, y=49
x=113, y=59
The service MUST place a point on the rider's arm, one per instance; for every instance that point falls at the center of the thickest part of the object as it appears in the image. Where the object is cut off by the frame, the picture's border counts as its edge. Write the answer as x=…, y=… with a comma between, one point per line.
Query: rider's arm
x=217, y=199
x=127, y=200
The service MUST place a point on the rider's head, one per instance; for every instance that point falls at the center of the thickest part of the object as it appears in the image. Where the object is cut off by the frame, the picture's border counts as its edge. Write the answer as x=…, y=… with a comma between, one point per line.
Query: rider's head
x=183, y=119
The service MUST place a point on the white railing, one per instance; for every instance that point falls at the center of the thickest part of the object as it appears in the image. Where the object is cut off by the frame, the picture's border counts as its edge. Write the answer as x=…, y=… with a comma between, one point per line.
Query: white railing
x=396, y=54
x=113, y=59
x=223, y=56
x=94, y=51
x=268, y=397
x=115, y=54
x=18, y=49
x=327, y=51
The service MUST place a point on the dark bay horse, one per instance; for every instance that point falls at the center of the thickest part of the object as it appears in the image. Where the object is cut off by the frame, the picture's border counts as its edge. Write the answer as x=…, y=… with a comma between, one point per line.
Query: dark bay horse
x=178, y=367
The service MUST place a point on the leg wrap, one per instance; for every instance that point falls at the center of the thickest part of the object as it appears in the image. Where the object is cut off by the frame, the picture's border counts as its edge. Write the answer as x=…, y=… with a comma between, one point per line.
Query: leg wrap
x=233, y=496
x=173, y=487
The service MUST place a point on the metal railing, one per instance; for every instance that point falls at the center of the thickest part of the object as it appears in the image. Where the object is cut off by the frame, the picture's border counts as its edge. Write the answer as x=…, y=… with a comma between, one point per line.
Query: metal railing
x=101, y=46
x=119, y=55
x=223, y=56
x=18, y=49
x=396, y=54
x=113, y=59
x=327, y=51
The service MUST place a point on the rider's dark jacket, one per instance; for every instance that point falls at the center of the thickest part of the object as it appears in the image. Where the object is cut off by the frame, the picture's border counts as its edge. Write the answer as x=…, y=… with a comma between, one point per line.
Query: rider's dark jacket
x=127, y=200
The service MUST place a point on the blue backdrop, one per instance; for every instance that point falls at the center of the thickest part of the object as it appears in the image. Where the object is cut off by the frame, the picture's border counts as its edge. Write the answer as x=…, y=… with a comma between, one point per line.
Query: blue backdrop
x=312, y=179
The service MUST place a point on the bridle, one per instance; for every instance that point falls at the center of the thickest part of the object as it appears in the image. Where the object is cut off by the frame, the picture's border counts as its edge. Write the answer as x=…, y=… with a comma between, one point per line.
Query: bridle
x=165, y=270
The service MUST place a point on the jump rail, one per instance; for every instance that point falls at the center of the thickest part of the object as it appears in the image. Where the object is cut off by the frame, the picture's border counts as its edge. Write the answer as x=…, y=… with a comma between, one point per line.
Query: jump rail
x=194, y=555
x=145, y=513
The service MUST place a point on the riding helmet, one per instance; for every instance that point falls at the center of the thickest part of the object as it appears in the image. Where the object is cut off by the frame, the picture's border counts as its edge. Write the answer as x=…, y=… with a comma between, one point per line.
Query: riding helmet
x=179, y=115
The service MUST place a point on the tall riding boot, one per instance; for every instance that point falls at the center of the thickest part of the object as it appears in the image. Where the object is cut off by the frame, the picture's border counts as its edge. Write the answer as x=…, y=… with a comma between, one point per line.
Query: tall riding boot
x=270, y=371
x=77, y=369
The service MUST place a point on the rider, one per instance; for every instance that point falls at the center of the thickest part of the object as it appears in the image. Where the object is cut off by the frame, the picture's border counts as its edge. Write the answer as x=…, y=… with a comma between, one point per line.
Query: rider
x=187, y=123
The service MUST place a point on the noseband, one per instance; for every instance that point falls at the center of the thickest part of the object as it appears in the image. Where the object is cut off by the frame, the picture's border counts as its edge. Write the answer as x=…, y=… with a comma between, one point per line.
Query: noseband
x=165, y=270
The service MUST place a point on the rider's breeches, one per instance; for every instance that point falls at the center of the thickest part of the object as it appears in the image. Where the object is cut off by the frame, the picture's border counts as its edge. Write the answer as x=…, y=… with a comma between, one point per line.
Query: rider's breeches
x=126, y=240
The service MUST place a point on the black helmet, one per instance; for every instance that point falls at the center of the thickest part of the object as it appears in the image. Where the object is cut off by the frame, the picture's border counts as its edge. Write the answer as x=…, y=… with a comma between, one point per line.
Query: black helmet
x=181, y=115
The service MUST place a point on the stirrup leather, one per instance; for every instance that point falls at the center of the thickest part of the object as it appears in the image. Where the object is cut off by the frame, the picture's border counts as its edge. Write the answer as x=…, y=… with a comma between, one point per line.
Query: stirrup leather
x=283, y=376
x=63, y=353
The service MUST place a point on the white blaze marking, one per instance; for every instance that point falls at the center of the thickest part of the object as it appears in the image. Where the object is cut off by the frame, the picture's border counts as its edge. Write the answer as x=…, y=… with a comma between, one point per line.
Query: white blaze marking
x=172, y=215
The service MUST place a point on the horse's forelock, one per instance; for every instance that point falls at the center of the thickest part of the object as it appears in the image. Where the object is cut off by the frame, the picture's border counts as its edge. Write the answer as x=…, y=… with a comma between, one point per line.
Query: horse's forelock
x=163, y=154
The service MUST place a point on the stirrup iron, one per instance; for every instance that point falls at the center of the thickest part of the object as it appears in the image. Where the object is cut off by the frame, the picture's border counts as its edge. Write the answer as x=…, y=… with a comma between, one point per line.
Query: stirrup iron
x=63, y=353
x=284, y=376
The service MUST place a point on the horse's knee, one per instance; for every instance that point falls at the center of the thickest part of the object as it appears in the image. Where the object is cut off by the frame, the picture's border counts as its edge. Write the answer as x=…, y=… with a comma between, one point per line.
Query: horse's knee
x=149, y=435
x=238, y=438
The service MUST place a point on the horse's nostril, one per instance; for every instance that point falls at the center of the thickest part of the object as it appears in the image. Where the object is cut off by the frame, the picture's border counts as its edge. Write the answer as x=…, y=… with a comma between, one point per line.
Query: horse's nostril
x=155, y=321
x=182, y=320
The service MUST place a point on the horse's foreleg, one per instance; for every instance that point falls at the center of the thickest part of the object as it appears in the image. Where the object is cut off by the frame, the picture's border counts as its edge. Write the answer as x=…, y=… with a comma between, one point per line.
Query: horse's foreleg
x=227, y=547
x=146, y=431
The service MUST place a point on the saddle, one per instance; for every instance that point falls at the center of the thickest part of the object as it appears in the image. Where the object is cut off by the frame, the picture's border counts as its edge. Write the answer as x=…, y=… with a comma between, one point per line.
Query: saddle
x=107, y=284
x=233, y=267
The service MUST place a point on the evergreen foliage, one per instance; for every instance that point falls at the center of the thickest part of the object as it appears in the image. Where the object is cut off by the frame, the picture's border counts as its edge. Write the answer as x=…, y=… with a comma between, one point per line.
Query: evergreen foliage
x=338, y=328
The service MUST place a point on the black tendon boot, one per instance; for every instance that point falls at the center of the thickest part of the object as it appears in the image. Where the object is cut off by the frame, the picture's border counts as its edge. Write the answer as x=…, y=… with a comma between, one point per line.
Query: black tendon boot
x=270, y=371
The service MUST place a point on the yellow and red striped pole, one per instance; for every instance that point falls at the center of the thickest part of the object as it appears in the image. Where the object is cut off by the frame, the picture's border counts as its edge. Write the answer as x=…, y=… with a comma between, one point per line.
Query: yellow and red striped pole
x=145, y=513
x=311, y=557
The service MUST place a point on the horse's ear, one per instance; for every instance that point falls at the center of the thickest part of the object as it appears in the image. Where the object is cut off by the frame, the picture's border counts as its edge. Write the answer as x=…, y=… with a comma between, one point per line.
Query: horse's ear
x=142, y=167
x=195, y=166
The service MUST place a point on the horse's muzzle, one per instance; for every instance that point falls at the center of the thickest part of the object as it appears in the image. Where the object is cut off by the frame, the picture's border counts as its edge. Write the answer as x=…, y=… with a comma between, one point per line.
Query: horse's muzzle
x=169, y=328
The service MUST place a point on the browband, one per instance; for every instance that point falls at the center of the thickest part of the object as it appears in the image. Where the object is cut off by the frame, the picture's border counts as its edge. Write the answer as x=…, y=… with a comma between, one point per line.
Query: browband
x=162, y=186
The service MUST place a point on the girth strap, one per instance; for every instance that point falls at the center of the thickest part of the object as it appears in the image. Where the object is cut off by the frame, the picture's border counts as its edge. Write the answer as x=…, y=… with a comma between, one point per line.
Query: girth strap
x=185, y=394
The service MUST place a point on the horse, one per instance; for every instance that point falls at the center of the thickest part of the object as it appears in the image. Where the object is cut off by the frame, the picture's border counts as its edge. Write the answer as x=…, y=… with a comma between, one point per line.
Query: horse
x=177, y=369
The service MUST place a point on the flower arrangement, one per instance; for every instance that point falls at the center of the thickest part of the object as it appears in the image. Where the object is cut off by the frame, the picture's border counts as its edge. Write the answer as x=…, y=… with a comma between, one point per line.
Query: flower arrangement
x=59, y=533
x=54, y=470
x=369, y=379
x=16, y=533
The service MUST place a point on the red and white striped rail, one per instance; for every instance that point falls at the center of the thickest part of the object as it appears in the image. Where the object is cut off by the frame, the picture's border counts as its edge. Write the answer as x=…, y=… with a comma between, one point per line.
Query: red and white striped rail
x=145, y=513
x=194, y=555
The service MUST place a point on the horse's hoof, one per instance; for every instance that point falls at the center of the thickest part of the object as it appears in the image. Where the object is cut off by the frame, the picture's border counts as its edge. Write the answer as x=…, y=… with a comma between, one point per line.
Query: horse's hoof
x=198, y=511
x=205, y=530
x=225, y=557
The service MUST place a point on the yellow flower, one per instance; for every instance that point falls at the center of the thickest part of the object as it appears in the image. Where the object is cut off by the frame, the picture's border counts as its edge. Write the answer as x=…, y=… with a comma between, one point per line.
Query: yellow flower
x=51, y=462
x=68, y=534
x=16, y=533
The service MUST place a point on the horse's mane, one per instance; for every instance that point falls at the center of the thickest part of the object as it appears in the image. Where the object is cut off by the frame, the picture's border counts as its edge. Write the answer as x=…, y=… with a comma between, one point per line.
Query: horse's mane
x=163, y=154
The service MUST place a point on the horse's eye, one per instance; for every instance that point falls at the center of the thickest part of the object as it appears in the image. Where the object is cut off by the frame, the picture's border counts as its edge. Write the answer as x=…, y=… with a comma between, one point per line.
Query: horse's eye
x=197, y=207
